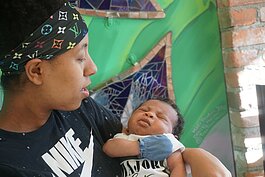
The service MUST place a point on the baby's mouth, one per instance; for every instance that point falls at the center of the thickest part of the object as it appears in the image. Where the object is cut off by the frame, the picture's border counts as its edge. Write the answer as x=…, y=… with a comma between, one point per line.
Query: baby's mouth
x=144, y=122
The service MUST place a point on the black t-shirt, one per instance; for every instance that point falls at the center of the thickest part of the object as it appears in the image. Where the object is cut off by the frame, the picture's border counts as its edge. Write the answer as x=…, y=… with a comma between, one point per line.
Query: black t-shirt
x=68, y=144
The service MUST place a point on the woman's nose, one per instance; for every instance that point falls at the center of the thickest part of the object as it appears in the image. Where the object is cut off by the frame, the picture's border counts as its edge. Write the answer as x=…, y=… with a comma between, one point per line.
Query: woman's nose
x=90, y=67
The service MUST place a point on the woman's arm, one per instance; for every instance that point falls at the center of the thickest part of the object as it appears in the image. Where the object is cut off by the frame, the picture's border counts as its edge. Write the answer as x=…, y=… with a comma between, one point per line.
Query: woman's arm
x=176, y=165
x=204, y=164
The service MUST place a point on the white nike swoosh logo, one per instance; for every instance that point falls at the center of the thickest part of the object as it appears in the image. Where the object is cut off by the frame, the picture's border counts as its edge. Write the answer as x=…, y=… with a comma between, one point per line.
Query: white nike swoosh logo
x=88, y=156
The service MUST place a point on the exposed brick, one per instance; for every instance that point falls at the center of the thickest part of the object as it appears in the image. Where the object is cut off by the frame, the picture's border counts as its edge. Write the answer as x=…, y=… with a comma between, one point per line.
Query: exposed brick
x=249, y=37
x=222, y=3
x=257, y=164
x=244, y=100
x=238, y=138
x=245, y=118
x=243, y=17
x=253, y=132
x=224, y=18
x=243, y=134
x=226, y=3
x=244, y=2
x=246, y=142
x=234, y=101
x=240, y=162
x=227, y=41
x=262, y=14
x=241, y=78
x=261, y=58
x=232, y=79
x=254, y=174
x=245, y=37
x=237, y=17
x=243, y=67
x=240, y=58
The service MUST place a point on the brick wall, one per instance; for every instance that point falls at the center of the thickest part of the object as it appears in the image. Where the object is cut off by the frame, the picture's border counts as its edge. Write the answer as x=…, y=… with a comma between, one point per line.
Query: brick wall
x=242, y=26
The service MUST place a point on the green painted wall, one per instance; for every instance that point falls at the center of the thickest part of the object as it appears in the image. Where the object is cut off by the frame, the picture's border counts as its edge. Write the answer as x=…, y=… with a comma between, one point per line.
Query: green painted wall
x=196, y=55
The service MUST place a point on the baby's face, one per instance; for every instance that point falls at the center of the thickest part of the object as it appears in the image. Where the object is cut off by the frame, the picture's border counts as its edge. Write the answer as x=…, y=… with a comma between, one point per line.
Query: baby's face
x=152, y=117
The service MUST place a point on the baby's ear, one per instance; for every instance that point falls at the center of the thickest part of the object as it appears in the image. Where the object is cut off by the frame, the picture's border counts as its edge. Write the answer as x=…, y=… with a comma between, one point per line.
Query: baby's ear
x=125, y=130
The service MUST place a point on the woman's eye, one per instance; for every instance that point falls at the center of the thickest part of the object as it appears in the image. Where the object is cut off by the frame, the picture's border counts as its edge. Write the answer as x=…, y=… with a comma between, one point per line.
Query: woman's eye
x=81, y=59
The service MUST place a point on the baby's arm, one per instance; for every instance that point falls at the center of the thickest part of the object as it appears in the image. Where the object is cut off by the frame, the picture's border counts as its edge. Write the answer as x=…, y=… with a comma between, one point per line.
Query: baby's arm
x=155, y=147
x=176, y=165
x=118, y=147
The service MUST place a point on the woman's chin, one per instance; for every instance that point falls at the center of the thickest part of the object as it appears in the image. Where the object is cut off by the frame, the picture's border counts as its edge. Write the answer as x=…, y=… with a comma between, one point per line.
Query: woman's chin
x=71, y=107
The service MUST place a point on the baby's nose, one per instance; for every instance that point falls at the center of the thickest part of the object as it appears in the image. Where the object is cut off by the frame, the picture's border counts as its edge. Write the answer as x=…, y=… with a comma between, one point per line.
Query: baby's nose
x=149, y=114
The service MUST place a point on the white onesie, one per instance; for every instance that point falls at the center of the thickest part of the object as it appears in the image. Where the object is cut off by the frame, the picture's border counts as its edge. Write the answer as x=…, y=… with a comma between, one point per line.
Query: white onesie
x=134, y=167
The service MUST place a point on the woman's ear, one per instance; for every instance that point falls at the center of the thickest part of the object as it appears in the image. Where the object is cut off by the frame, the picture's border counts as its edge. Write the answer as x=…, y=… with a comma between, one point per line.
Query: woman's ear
x=33, y=69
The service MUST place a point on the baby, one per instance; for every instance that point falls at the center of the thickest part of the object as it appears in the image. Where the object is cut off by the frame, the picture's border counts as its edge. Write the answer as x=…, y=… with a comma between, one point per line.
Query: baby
x=157, y=116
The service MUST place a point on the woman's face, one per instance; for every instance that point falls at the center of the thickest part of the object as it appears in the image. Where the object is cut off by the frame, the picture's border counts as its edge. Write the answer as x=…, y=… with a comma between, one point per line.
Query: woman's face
x=152, y=117
x=67, y=76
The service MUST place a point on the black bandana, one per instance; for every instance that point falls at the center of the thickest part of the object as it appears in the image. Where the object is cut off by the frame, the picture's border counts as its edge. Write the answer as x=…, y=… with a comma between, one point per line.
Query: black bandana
x=61, y=32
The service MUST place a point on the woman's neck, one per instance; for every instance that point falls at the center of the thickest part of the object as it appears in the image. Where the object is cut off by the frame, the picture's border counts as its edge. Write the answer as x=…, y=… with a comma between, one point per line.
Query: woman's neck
x=20, y=114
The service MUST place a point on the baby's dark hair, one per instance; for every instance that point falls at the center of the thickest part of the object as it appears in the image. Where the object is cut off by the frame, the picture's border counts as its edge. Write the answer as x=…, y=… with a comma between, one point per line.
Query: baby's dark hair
x=19, y=18
x=177, y=130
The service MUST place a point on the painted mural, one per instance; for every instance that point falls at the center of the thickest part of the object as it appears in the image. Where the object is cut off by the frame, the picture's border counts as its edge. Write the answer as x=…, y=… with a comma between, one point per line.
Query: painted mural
x=119, y=44
x=149, y=78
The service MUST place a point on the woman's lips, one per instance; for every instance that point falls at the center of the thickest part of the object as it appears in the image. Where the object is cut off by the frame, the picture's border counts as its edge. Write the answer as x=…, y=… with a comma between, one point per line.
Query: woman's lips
x=85, y=91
